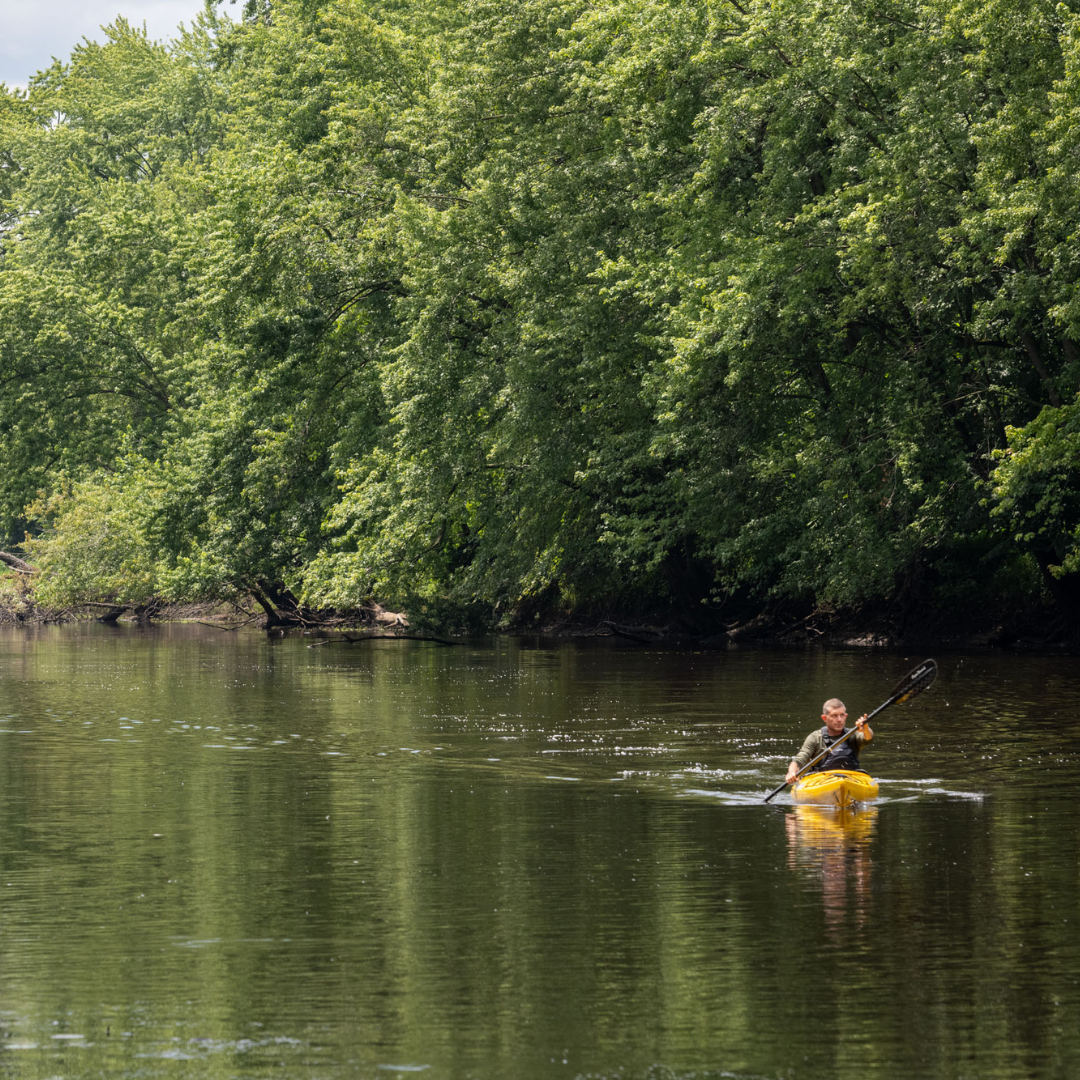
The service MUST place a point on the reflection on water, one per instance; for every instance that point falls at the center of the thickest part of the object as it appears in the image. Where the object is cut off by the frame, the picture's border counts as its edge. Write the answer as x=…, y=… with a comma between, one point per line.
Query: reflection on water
x=834, y=844
x=228, y=855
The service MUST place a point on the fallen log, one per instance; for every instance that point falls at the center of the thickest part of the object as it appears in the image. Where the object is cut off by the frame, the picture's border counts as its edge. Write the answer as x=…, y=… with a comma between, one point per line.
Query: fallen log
x=346, y=640
x=112, y=613
x=387, y=618
x=758, y=624
x=630, y=635
x=17, y=564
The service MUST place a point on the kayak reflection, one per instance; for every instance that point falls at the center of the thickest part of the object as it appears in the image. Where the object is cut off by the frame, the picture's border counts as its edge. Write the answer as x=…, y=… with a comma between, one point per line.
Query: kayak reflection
x=835, y=843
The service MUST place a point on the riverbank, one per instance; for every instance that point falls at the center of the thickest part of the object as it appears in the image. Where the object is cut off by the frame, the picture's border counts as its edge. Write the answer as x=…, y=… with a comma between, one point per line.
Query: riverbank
x=1033, y=629
x=882, y=626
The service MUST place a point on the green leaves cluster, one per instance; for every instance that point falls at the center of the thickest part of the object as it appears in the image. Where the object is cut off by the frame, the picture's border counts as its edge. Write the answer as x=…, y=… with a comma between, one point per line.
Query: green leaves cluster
x=502, y=302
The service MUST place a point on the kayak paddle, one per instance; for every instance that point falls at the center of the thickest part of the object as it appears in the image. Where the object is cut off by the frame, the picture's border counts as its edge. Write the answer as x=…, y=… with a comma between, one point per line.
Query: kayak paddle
x=914, y=682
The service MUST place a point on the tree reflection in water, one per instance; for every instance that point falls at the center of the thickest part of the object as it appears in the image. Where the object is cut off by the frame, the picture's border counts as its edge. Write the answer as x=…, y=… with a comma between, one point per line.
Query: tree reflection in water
x=834, y=842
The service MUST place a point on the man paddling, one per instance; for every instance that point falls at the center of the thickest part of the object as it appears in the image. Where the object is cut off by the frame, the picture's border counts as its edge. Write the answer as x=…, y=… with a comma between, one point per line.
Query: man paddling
x=846, y=756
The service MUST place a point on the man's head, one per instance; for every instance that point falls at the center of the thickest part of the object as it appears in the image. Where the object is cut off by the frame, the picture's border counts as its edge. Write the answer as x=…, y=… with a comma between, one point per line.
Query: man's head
x=834, y=714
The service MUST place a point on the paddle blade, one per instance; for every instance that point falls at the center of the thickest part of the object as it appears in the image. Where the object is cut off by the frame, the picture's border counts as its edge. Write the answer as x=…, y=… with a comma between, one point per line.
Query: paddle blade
x=915, y=682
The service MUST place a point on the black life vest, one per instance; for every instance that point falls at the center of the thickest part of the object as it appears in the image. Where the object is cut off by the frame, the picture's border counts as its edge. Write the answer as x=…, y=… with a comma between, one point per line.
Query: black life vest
x=843, y=757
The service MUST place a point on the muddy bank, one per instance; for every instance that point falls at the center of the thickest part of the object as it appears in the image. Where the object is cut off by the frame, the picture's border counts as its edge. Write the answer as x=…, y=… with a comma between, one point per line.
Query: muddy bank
x=883, y=625
x=1032, y=630
x=991, y=627
x=18, y=606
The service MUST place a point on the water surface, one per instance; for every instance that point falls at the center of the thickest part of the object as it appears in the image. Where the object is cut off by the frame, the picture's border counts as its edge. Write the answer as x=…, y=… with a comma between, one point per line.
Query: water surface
x=227, y=855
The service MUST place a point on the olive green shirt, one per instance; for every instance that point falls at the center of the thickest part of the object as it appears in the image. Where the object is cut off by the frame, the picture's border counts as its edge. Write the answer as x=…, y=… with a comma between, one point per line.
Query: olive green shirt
x=815, y=744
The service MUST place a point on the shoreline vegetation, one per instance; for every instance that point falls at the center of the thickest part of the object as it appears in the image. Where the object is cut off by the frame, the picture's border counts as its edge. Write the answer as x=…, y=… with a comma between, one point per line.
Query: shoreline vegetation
x=782, y=625
x=714, y=323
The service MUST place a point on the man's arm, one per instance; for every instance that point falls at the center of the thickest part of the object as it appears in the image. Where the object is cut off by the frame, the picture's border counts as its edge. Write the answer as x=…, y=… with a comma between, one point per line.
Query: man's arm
x=811, y=747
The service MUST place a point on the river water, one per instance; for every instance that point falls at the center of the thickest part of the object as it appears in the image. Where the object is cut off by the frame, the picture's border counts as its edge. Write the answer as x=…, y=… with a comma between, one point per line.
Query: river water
x=227, y=855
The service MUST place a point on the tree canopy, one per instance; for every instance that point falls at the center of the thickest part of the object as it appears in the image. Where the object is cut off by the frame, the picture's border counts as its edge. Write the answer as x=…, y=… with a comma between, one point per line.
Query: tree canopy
x=488, y=306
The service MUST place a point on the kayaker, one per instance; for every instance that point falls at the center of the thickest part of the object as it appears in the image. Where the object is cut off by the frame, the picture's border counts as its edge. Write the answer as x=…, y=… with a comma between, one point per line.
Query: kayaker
x=834, y=714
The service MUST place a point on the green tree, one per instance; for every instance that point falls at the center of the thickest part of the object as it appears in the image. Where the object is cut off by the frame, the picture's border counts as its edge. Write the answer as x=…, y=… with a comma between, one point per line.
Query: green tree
x=543, y=302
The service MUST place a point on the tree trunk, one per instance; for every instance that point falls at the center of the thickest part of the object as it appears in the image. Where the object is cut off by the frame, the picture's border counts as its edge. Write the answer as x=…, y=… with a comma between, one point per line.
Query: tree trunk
x=1064, y=589
x=17, y=564
x=273, y=619
x=1040, y=367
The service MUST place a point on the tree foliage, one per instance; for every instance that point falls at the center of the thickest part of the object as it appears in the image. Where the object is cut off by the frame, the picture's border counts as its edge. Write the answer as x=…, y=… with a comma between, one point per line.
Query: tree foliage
x=498, y=303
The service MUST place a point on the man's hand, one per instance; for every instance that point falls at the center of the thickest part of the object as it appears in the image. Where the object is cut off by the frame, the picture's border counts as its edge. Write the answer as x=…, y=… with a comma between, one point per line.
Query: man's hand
x=792, y=772
x=864, y=728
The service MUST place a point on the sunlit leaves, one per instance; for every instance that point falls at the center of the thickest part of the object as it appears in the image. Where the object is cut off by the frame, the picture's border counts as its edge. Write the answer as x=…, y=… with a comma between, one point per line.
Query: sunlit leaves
x=494, y=301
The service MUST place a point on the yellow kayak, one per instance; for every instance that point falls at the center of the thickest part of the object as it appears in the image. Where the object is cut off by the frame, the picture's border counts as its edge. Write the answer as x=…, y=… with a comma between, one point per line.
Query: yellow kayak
x=835, y=787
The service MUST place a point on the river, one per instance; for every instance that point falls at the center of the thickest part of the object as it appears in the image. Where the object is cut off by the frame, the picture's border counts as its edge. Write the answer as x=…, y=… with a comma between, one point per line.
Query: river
x=231, y=855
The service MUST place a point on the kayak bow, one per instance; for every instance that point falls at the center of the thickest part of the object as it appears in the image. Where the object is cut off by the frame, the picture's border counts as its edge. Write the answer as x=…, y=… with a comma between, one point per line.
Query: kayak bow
x=835, y=787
